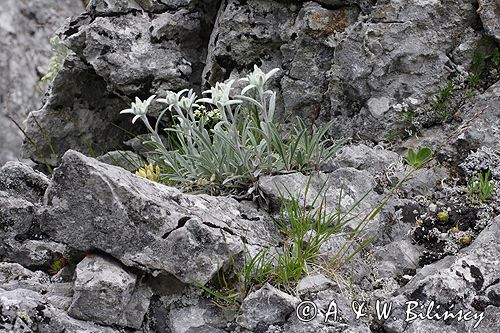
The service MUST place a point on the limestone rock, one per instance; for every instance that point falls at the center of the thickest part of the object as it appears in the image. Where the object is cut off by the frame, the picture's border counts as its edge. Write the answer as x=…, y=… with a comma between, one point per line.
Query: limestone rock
x=266, y=306
x=92, y=205
x=347, y=184
x=25, y=310
x=25, y=29
x=489, y=12
x=21, y=195
x=456, y=280
x=362, y=157
x=399, y=53
x=479, y=129
x=66, y=120
x=107, y=293
x=123, y=158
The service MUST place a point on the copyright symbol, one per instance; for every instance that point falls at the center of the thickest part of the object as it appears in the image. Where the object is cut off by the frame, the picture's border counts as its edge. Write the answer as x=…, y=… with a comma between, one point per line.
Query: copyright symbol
x=306, y=311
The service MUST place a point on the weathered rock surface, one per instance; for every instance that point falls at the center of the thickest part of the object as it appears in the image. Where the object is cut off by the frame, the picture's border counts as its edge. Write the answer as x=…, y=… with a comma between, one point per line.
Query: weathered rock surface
x=293, y=37
x=120, y=49
x=362, y=157
x=21, y=195
x=79, y=113
x=400, y=53
x=25, y=310
x=355, y=61
x=107, y=293
x=466, y=281
x=349, y=183
x=92, y=205
x=266, y=306
x=25, y=29
x=123, y=158
x=489, y=12
x=369, y=64
x=29, y=302
x=480, y=128
x=204, y=316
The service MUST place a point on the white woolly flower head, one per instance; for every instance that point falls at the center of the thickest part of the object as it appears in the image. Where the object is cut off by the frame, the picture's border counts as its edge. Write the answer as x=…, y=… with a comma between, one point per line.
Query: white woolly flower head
x=219, y=95
x=257, y=79
x=139, y=108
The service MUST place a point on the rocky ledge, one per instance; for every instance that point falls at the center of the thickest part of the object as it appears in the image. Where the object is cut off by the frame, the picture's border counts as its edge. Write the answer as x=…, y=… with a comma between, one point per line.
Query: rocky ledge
x=132, y=254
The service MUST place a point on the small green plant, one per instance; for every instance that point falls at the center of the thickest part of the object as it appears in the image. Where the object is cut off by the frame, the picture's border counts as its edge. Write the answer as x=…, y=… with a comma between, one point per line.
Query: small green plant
x=223, y=143
x=441, y=102
x=443, y=96
x=443, y=216
x=474, y=79
x=394, y=134
x=480, y=188
x=59, y=52
x=417, y=159
x=495, y=57
x=305, y=229
x=408, y=117
x=59, y=264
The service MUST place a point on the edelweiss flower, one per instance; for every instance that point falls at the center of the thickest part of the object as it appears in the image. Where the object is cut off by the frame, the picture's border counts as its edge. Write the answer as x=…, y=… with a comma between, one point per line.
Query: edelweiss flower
x=172, y=99
x=257, y=79
x=188, y=102
x=139, y=108
x=220, y=95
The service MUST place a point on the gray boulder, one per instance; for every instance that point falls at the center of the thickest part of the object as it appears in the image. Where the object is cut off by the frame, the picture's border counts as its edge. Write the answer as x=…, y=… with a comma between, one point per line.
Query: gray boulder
x=362, y=157
x=313, y=283
x=92, y=205
x=266, y=306
x=393, y=259
x=344, y=185
x=106, y=293
x=14, y=276
x=204, y=316
x=110, y=44
x=123, y=158
x=79, y=113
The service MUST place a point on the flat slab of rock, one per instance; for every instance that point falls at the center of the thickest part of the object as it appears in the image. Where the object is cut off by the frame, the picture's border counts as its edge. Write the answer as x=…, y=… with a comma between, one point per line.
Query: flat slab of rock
x=92, y=205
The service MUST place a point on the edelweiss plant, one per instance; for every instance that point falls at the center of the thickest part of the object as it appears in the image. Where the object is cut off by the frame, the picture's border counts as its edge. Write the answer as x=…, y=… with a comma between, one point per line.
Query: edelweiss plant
x=224, y=141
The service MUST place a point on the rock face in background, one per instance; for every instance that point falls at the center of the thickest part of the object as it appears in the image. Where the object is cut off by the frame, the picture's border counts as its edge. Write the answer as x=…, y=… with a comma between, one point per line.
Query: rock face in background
x=120, y=49
x=25, y=29
x=489, y=12
x=355, y=61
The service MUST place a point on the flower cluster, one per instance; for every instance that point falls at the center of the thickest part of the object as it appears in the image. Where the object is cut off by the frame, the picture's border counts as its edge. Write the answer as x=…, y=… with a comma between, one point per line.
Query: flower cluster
x=224, y=141
x=149, y=172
